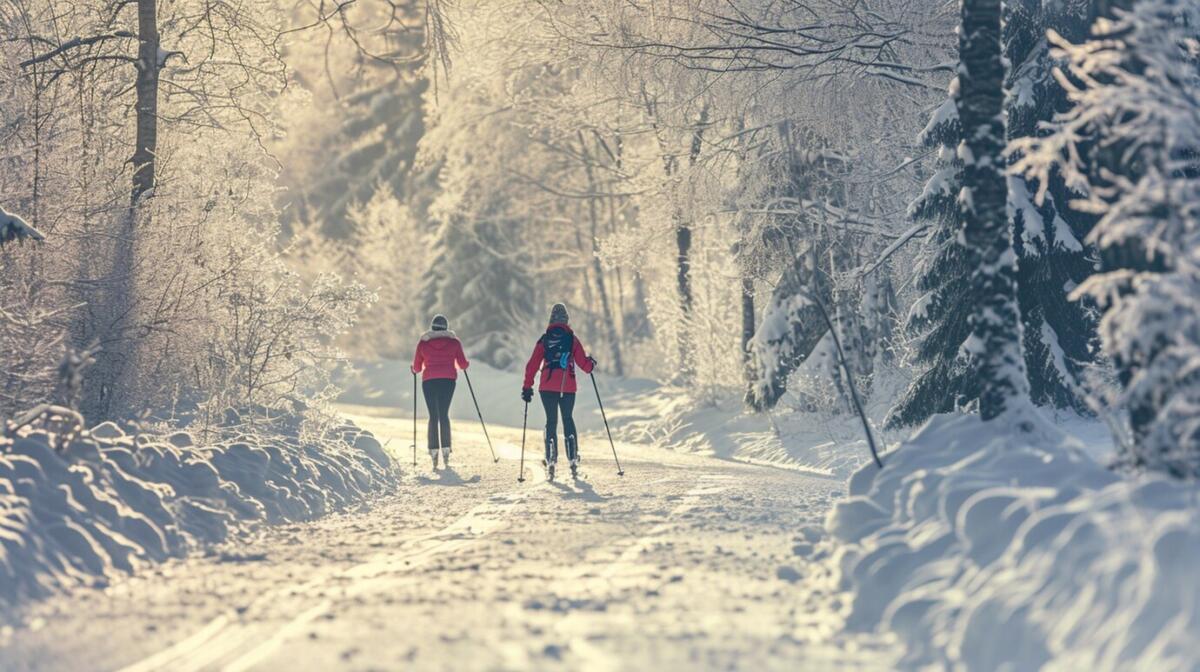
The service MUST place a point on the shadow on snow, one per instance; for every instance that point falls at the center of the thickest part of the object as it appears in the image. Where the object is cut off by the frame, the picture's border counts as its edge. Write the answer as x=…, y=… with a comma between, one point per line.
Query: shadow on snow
x=447, y=477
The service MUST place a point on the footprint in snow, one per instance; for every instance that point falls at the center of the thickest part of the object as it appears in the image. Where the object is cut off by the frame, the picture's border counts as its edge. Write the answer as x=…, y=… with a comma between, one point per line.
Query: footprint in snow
x=787, y=573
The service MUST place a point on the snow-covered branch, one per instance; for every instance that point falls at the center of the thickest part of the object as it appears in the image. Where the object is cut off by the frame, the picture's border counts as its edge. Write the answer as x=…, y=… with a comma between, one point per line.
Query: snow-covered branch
x=13, y=227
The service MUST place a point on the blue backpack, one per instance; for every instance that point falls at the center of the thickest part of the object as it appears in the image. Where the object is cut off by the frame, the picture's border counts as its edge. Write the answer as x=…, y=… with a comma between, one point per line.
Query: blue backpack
x=558, y=344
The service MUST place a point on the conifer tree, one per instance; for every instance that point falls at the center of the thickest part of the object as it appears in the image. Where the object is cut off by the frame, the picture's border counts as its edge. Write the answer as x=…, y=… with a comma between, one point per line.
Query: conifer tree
x=994, y=346
x=1059, y=333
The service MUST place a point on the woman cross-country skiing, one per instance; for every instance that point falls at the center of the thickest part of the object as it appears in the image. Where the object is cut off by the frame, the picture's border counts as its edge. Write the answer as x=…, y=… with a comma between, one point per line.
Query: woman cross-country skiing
x=557, y=353
x=438, y=359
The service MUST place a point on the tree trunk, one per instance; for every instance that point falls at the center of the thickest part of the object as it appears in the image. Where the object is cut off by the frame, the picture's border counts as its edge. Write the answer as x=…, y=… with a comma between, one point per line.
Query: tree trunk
x=683, y=242
x=610, y=323
x=994, y=346
x=638, y=327
x=621, y=312
x=147, y=101
x=111, y=392
x=749, y=326
x=587, y=283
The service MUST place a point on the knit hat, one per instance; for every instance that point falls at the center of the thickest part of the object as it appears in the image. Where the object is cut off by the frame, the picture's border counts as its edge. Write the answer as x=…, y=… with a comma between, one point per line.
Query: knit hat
x=439, y=323
x=558, y=314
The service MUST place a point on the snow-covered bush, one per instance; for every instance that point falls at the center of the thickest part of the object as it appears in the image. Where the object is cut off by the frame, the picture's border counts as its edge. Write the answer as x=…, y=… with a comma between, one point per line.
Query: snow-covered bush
x=83, y=510
x=1128, y=146
x=30, y=338
x=1000, y=545
x=275, y=342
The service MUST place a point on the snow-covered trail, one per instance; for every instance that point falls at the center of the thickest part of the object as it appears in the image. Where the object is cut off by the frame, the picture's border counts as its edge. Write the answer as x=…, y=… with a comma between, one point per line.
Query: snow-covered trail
x=686, y=562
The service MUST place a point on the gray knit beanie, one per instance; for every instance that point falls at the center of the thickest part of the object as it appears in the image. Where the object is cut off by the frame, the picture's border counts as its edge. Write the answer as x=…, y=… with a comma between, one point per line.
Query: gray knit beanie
x=439, y=323
x=558, y=314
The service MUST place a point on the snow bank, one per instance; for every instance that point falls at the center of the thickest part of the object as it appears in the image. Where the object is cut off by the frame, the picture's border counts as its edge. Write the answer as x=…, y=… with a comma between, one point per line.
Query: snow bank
x=819, y=443
x=105, y=502
x=1003, y=546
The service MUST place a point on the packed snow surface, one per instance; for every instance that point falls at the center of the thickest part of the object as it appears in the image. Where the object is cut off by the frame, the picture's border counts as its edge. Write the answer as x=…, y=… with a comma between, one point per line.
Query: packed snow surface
x=688, y=562
x=1002, y=545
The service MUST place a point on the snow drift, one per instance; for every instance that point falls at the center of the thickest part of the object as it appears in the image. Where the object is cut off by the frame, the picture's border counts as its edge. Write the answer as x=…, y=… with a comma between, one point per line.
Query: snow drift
x=1002, y=546
x=104, y=502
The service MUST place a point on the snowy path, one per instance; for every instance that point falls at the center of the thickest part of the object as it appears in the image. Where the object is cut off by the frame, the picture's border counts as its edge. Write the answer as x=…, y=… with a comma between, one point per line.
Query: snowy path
x=686, y=562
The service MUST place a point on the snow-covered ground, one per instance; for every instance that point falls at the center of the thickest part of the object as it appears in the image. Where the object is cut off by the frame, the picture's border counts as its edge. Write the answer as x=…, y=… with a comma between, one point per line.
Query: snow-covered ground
x=1005, y=545
x=88, y=510
x=687, y=562
x=732, y=542
x=642, y=411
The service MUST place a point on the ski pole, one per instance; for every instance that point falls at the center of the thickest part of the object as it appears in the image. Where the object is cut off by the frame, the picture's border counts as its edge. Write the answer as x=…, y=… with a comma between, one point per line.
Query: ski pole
x=414, y=443
x=620, y=471
x=480, y=414
x=524, y=423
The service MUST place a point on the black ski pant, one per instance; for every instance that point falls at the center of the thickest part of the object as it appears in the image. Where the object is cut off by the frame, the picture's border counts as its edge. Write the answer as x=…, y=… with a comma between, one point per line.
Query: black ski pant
x=438, y=394
x=554, y=403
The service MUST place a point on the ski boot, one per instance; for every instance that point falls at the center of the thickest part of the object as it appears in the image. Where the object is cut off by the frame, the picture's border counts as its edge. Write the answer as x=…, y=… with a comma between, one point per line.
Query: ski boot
x=433, y=455
x=446, y=456
x=551, y=457
x=573, y=455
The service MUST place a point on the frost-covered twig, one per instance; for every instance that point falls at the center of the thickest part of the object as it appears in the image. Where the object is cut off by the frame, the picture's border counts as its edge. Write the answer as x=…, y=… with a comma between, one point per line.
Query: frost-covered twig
x=53, y=418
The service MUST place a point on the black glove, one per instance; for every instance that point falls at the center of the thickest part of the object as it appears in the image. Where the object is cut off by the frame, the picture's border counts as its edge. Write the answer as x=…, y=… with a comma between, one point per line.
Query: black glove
x=592, y=361
x=527, y=394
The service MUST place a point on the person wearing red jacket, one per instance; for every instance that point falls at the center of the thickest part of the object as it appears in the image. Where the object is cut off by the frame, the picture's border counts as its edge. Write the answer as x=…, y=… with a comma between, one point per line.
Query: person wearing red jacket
x=439, y=357
x=556, y=354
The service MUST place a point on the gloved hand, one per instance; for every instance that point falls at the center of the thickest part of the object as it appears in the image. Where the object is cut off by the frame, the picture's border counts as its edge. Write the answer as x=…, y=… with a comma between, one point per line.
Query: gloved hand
x=592, y=360
x=527, y=394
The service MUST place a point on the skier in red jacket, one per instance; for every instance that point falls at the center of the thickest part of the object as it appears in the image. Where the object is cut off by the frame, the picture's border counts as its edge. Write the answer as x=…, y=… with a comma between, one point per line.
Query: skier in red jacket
x=438, y=359
x=557, y=353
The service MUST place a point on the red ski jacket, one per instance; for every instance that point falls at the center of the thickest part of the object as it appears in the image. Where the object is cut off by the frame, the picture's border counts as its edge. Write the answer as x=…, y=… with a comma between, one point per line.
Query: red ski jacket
x=557, y=380
x=437, y=354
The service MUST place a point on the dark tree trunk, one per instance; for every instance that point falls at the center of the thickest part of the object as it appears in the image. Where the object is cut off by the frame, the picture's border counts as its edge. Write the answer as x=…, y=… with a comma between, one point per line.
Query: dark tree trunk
x=146, y=148
x=995, y=343
x=110, y=390
x=683, y=242
x=749, y=326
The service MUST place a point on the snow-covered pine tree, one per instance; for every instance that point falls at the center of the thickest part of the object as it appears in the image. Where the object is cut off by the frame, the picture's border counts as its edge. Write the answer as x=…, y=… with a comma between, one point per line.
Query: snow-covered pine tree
x=938, y=318
x=1058, y=334
x=803, y=243
x=479, y=277
x=994, y=346
x=1129, y=146
x=376, y=144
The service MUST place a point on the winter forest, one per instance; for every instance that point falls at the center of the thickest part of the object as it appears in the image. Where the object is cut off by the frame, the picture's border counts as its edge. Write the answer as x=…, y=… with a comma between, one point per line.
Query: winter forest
x=885, y=317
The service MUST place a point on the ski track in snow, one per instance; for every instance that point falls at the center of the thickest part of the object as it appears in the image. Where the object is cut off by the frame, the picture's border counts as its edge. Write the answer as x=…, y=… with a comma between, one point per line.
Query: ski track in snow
x=686, y=562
